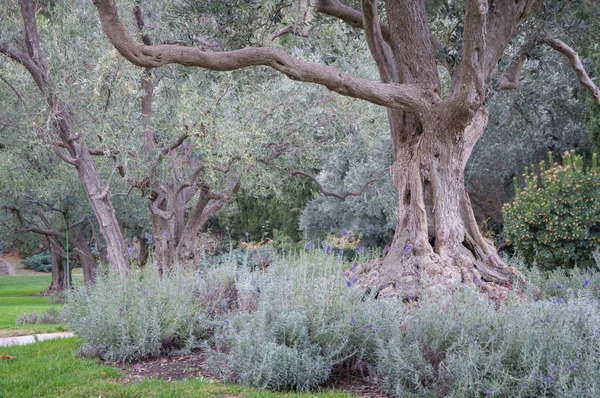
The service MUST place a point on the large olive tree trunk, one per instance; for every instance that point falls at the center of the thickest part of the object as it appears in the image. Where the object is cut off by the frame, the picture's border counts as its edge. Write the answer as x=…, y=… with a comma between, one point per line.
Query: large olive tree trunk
x=437, y=242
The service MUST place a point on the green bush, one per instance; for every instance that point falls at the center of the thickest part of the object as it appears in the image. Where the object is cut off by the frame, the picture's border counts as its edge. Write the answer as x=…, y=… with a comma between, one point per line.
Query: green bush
x=39, y=262
x=555, y=220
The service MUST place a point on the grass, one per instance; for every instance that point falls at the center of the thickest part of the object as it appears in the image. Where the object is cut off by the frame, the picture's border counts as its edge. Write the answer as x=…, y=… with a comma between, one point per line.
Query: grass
x=16, y=299
x=54, y=369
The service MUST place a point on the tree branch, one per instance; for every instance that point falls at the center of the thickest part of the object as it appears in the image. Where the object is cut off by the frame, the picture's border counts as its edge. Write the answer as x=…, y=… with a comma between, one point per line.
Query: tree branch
x=577, y=66
x=471, y=91
x=510, y=79
x=123, y=193
x=347, y=14
x=13, y=88
x=334, y=194
x=380, y=50
x=503, y=19
x=409, y=97
x=291, y=29
x=65, y=158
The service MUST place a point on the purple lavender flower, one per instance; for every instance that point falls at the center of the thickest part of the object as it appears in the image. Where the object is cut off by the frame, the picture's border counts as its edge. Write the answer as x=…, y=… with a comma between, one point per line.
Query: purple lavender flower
x=345, y=233
x=557, y=286
x=137, y=257
x=476, y=281
x=165, y=234
x=354, y=267
x=122, y=309
x=144, y=292
x=352, y=320
x=491, y=393
x=148, y=237
x=354, y=279
x=129, y=250
x=359, y=251
x=247, y=235
x=572, y=367
x=227, y=299
x=308, y=245
x=328, y=250
x=386, y=249
x=586, y=283
x=410, y=299
x=340, y=254
x=407, y=248
x=226, y=227
x=348, y=283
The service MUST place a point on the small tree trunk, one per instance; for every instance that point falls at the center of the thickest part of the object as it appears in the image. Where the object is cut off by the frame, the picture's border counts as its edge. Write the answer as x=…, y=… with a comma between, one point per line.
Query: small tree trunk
x=85, y=256
x=59, y=272
x=437, y=243
x=144, y=251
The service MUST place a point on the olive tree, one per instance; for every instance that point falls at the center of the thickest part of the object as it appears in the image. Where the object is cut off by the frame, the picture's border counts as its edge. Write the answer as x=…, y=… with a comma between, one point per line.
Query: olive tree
x=437, y=238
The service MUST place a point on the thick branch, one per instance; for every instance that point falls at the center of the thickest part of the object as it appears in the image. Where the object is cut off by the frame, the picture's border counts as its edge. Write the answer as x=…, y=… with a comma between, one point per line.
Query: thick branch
x=577, y=66
x=380, y=50
x=510, y=80
x=472, y=71
x=406, y=96
x=334, y=194
x=65, y=158
x=503, y=20
x=32, y=37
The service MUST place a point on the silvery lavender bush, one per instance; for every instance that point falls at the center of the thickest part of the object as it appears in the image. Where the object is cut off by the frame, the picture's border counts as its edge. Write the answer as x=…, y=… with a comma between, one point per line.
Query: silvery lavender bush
x=140, y=315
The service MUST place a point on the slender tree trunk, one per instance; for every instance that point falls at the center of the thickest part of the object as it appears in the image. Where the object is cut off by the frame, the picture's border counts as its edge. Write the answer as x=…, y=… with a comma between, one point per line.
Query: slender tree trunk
x=144, y=250
x=84, y=255
x=96, y=192
x=59, y=272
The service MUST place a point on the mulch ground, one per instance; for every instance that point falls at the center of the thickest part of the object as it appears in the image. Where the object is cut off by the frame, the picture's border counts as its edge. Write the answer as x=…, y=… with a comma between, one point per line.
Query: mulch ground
x=194, y=366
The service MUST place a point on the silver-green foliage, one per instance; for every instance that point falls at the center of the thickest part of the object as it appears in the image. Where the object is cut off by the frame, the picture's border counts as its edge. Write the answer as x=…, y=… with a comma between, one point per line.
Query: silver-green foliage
x=141, y=315
x=466, y=347
x=297, y=322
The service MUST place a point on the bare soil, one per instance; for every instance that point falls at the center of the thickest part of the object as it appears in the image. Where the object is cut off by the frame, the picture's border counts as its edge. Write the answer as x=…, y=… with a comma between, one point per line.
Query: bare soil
x=181, y=367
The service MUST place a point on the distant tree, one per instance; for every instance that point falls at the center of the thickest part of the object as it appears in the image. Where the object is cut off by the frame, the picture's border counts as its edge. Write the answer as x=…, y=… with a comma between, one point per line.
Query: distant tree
x=38, y=198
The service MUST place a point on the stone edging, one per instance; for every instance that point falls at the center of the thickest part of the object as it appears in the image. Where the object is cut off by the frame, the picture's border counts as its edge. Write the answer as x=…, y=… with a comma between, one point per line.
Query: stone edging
x=23, y=340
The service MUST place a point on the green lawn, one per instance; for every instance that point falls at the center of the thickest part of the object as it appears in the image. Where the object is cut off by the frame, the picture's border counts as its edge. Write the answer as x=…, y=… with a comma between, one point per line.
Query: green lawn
x=16, y=299
x=53, y=369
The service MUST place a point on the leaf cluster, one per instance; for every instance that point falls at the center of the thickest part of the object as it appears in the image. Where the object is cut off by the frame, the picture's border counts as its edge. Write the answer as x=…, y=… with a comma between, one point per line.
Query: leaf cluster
x=555, y=219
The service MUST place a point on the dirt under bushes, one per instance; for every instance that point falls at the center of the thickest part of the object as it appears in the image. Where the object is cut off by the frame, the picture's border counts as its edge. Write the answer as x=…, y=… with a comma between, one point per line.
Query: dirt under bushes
x=171, y=368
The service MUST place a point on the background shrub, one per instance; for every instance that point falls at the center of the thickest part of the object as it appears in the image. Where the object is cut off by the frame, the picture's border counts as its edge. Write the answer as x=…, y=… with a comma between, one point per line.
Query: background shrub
x=555, y=220
x=39, y=262
x=52, y=316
